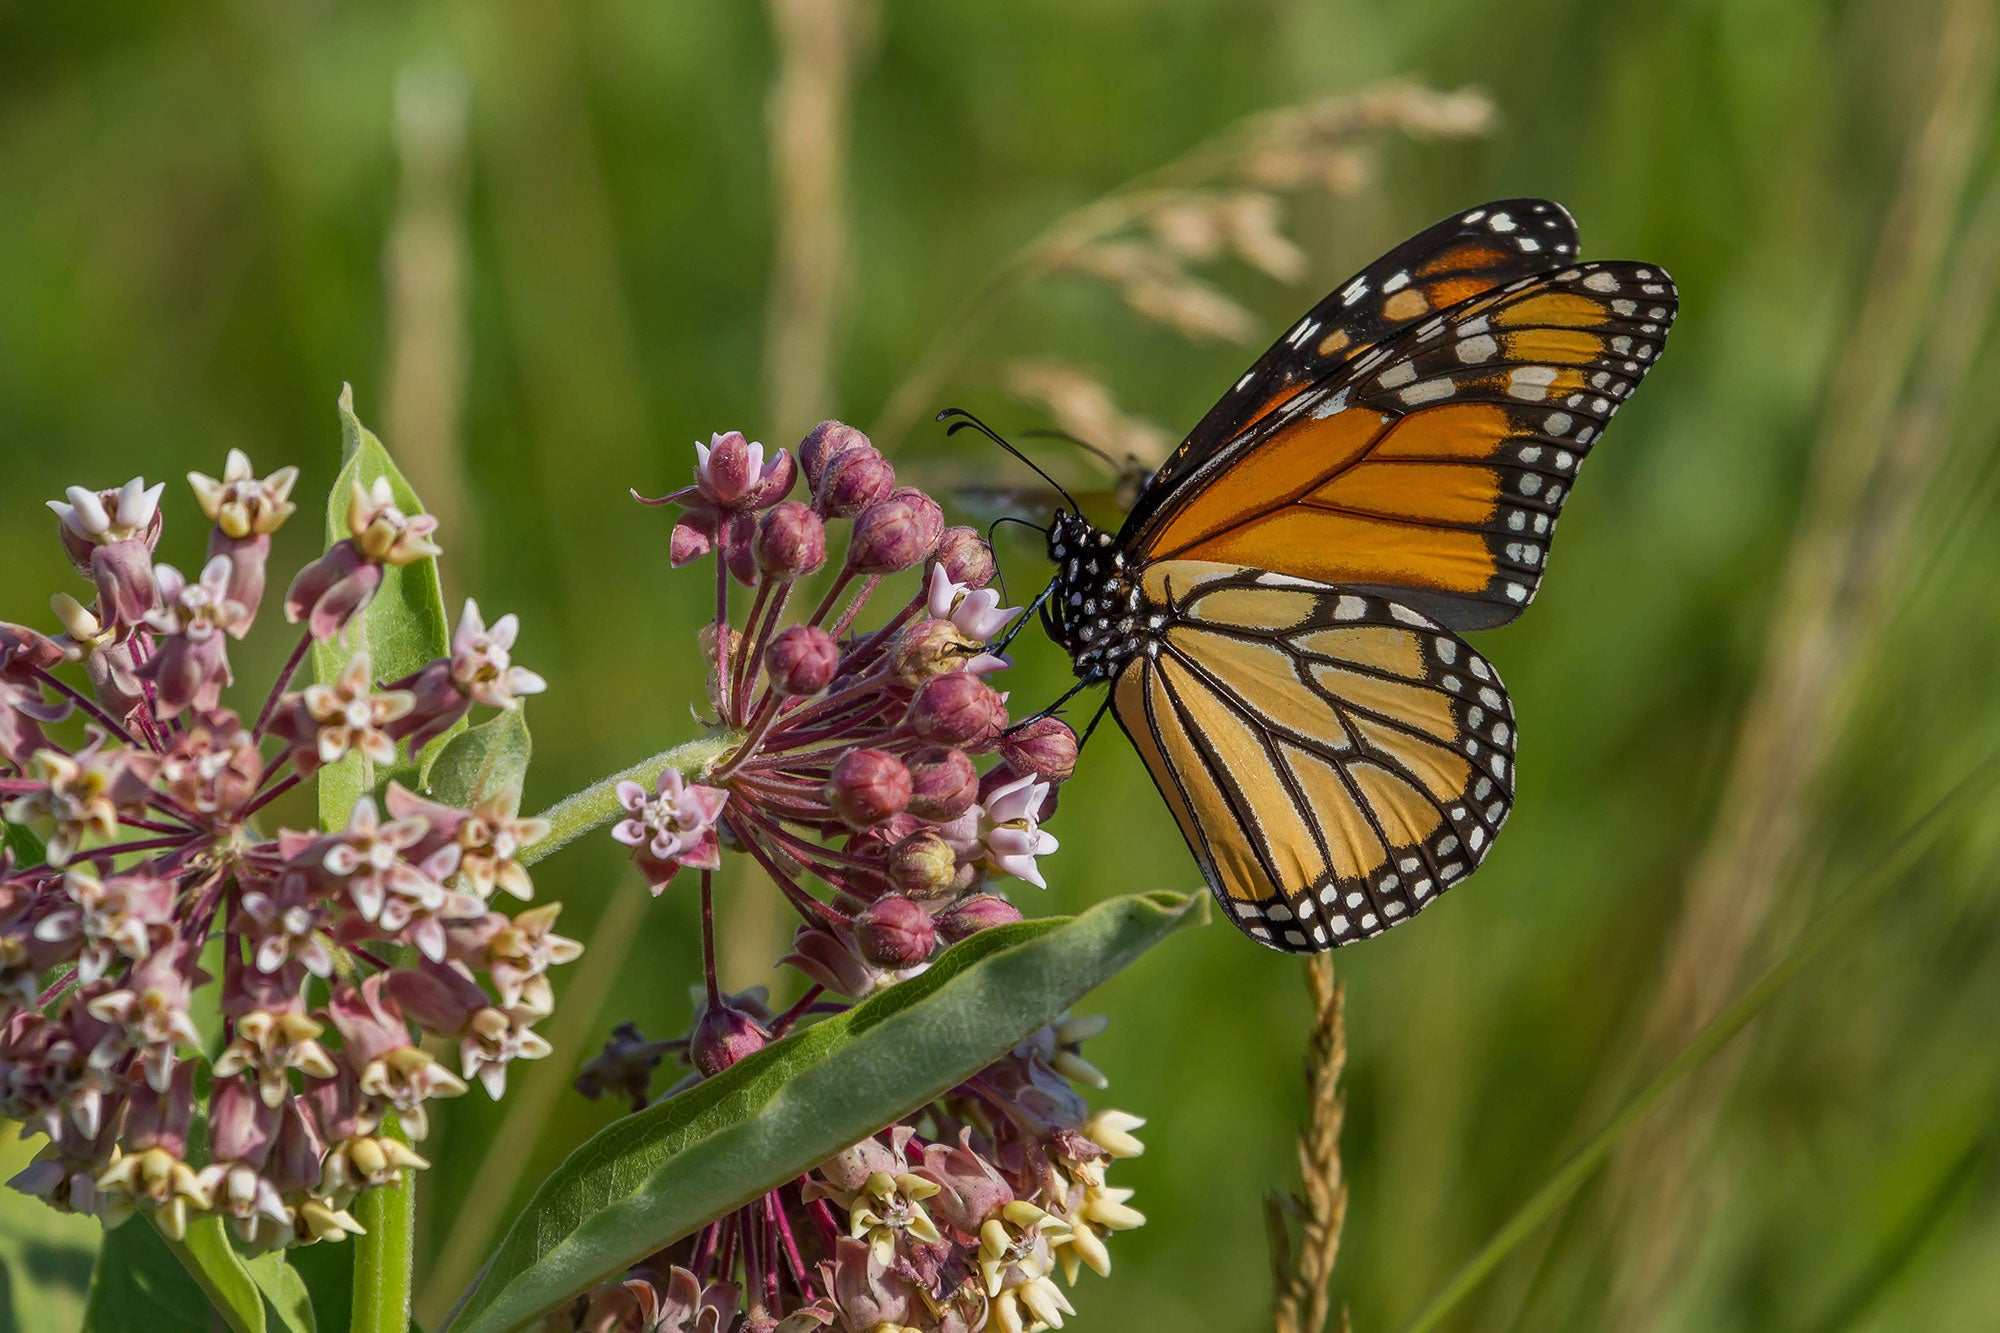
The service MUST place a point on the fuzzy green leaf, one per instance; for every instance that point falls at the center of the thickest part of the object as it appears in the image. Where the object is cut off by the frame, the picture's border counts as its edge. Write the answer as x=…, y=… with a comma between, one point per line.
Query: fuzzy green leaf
x=404, y=627
x=488, y=760
x=146, y=1283
x=658, y=1175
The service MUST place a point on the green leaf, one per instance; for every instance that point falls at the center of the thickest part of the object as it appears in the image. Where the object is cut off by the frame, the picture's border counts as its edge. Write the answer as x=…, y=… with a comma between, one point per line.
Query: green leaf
x=45, y=1256
x=404, y=627
x=285, y=1293
x=382, y=1276
x=328, y=1272
x=21, y=840
x=656, y=1176
x=483, y=761
x=145, y=1283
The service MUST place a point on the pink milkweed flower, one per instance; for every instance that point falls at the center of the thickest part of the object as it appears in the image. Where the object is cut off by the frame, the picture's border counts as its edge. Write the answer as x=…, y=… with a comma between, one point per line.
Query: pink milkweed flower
x=1010, y=829
x=191, y=666
x=109, y=536
x=732, y=482
x=674, y=827
x=479, y=669
x=975, y=613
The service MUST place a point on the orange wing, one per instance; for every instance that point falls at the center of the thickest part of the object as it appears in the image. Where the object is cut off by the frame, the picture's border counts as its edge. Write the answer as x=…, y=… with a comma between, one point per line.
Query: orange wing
x=1434, y=467
x=1449, y=262
x=1334, y=761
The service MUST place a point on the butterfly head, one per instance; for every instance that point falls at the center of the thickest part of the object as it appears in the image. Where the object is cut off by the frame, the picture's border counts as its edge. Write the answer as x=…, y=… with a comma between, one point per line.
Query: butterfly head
x=1092, y=610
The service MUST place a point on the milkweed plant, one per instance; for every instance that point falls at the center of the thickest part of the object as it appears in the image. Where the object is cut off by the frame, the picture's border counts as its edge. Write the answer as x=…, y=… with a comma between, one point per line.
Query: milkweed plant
x=229, y=1013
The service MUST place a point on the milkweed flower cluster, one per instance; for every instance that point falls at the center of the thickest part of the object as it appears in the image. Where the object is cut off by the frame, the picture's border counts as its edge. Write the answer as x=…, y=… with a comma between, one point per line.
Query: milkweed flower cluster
x=879, y=782
x=155, y=939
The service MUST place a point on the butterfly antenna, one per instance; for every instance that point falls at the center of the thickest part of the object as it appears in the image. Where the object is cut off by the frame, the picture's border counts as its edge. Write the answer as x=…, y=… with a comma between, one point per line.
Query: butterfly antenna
x=994, y=526
x=1110, y=460
x=962, y=420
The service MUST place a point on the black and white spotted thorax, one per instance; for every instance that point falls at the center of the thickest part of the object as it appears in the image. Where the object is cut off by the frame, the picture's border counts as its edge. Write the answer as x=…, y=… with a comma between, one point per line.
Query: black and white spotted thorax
x=1095, y=607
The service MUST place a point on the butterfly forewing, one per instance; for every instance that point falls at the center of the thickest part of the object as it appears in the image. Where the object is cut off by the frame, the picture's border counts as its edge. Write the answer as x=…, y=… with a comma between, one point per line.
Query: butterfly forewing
x=1334, y=760
x=1436, y=471
x=1458, y=259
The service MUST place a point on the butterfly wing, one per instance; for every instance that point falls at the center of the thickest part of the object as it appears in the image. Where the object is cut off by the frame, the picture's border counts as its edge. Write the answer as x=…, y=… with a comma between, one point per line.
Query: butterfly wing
x=1462, y=257
x=1435, y=472
x=1334, y=760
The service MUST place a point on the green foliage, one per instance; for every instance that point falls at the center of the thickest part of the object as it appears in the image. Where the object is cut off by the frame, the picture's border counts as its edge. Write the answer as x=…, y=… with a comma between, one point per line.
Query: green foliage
x=483, y=761
x=403, y=629
x=146, y=1282
x=657, y=1175
x=45, y=1256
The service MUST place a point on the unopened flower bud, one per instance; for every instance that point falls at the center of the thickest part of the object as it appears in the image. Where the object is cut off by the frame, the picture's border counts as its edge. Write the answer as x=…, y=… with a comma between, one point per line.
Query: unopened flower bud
x=725, y=1035
x=852, y=481
x=923, y=864
x=827, y=441
x=930, y=648
x=1045, y=747
x=958, y=709
x=867, y=787
x=895, y=932
x=791, y=541
x=981, y=911
x=801, y=659
x=965, y=557
x=929, y=517
x=887, y=537
x=943, y=784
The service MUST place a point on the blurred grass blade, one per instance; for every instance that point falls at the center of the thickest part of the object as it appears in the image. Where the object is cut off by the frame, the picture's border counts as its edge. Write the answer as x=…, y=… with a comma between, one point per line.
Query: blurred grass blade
x=404, y=627
x=482, y=761
x=1848, y=906
x=658, y=1175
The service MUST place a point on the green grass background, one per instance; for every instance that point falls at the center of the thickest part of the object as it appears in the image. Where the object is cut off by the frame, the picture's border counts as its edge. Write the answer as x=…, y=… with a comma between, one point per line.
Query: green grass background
x=196, y=201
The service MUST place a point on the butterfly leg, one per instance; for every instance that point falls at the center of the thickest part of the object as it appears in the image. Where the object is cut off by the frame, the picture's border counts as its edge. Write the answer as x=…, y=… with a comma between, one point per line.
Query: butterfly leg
x=1056, y=707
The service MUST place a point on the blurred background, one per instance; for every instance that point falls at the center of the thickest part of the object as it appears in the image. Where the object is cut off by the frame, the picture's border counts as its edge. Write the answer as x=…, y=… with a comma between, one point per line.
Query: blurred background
x=552, y=243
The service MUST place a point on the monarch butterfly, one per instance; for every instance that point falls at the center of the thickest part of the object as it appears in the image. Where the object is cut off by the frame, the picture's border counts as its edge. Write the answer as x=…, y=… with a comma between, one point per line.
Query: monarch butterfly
x=1278, y=617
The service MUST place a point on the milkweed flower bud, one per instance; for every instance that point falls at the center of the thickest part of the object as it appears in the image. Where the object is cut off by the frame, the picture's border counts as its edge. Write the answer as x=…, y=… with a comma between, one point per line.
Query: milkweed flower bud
x=1044, y=747
x=791, y=541
x=923, y=864
x=895, y=932
x=943, y=784
x=959, y=709
x=724, y=1035
x=867, y=787
x=801, y=660
x=965, y=558
x=888, y=536
x=852, y=481
x=980, y=911
x=825, y=442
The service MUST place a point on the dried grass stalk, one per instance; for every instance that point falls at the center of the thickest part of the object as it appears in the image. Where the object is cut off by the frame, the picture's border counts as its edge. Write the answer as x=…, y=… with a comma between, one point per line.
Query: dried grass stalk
x=1223, y=197
x=1303, y=1275
x=1083, y=407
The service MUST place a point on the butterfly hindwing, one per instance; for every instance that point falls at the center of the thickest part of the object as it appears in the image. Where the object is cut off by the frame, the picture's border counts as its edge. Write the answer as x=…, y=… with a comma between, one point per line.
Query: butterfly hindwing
x=1335, y=760
x=1436, y=470
x=1455, y=260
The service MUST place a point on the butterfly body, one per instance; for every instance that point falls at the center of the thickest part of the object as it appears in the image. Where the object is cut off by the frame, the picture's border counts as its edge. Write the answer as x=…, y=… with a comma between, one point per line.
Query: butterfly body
x=1278, y=617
